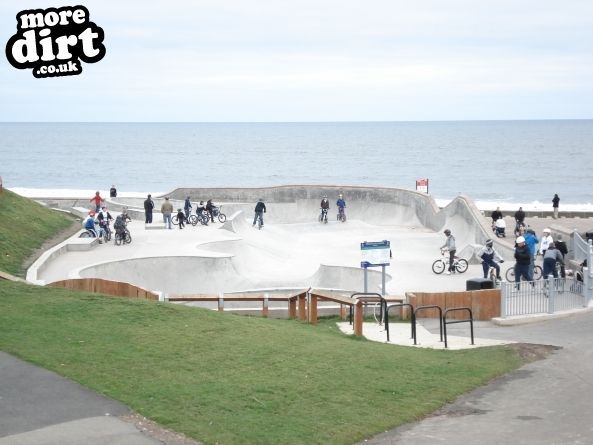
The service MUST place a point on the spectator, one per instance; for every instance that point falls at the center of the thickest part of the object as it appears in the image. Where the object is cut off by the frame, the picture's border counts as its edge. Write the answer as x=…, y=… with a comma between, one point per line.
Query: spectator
x=187, y=208
x=555, y=203
x=180, y=218
x=552, y=257
x=148, y=207
x=546, y=240
x=531, y=241
x=97, y=200
x=113, y=192
x=520, y=216
x=167, y=210
x=561, y=246
x=496, y=215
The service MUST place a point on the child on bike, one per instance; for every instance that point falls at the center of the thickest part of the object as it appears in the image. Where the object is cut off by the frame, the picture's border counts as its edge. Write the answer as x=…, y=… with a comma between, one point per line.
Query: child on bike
x=450, y=246
x=324, y=208
x=341, y=204
x=487, y=254
x=120, y=227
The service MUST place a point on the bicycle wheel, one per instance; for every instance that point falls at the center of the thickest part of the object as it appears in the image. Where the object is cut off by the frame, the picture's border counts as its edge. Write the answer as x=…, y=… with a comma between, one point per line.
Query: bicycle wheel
x=438, y=267
x=537, y=272
x=117, y=239
x=510, y=274
x=128, y=238
x=174, y=220
x=85, y=234
x=193, y=220
x=461, y=265
x=204, y=219
x=221, y=217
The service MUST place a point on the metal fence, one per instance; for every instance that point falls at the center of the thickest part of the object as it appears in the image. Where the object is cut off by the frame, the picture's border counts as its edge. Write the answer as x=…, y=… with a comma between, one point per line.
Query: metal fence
x=541, y=296
x=583, y=250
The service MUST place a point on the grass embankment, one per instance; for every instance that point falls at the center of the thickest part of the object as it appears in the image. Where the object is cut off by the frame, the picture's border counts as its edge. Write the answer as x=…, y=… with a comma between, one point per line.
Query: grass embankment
x=221, y=378
x=231, y=379
x=24, y=226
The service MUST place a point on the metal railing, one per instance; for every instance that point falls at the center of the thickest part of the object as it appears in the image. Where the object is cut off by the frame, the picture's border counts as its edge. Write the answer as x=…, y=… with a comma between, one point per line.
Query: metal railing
x=583, y=250
x=422, y=308
x=412, y=320
x=545, y=296
x=469, y=320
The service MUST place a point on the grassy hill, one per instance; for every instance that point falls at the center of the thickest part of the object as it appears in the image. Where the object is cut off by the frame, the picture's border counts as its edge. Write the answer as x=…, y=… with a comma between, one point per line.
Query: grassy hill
x=223, y=378
x=24, y=226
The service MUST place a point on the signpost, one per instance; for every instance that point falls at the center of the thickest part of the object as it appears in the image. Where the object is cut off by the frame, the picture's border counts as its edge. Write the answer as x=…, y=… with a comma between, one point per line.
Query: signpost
x=375, y=253
x=422, y=185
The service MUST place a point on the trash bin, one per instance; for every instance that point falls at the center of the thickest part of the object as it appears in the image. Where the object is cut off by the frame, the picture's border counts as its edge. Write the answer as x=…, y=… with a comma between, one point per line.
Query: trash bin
x=479, y=284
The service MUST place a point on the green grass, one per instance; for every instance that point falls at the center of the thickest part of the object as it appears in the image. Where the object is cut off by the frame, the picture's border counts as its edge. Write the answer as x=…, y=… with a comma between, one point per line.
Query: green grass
x=230, y=379
x=24, y=226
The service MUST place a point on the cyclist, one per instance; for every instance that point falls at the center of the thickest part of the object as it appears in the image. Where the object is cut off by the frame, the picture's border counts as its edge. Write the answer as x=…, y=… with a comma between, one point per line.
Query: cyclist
x=324, y=208
x=523, y=257
x=519, y=221
x=499, y=228
x=260, y=209
x=200, y=211
x=120, y=226
x=450, y=246
x=551, y=257
x=104, y=217
x=531, y=241
x=210, y=209
x=487, y=254
x=341, y=205
x=89, y=224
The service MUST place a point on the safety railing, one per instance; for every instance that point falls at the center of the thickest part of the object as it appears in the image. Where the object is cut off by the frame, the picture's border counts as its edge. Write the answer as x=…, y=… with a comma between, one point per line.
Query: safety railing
x=365, y=298
x=469, y=320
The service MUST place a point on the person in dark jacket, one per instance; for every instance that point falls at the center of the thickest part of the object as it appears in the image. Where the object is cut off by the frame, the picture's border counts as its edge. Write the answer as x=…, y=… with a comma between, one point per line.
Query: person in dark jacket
x=561, y=246
x=496, y=215
x=148, y=207
x=210, y=209
x=324, y=208
x=113, y=192
x=187, y=208
x=260, y=209
x=523, y=258
x=552, y=257
x=555, y=204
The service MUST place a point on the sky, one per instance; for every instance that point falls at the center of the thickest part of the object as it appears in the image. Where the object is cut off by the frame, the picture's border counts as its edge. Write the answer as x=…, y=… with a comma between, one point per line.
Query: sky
x=322, y=60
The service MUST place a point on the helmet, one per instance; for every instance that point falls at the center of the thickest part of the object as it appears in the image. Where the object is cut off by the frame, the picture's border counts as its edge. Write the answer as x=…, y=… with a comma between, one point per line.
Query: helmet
x=489, y=242
x=520, y=240
x=547, y=231
x=447, y=232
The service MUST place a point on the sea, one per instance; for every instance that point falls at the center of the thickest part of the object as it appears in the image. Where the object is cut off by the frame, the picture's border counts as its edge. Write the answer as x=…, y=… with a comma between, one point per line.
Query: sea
x=493, y=162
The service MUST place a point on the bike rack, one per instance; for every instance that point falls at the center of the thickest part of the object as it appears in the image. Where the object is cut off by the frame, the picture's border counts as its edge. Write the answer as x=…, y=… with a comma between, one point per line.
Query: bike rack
x=431, y=306
x=470, y=320
x=368, y=297
x=400, y=305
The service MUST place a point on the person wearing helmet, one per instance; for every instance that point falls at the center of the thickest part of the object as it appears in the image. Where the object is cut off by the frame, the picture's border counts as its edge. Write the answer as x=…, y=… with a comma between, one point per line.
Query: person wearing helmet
x=487, y=254
x=531, y=241
x=450, y=246
x=260, y=209
x=324, y=209
x=341, y=204
x=201, y=213
x=523, y=258
x=546, y=240
x=552, y=257
x=89, y=224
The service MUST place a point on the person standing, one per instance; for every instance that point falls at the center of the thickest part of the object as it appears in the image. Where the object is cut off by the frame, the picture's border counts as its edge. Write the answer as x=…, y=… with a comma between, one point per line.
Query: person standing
x=531, y=241
x=561, y=246
x=148, y=208
x=97, y=200
x=555, y=203
x=450, y=246
x=113, y=192
x=187, y=208
x=167, y=210
x=324, y=208
x=545, y=242
x=523, y=258
x=210, y=209
x=180, y=218
x=496, y=215
x=260, y=209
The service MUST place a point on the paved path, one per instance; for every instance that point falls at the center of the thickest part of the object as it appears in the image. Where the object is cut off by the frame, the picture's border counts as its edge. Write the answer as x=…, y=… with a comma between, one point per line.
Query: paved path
x=547, y=402
x=38, y=407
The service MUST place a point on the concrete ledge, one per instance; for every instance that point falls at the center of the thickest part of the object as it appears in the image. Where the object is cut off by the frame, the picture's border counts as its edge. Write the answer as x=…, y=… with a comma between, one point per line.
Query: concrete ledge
x=81, y=244
x=536, y=318
x=157, y=226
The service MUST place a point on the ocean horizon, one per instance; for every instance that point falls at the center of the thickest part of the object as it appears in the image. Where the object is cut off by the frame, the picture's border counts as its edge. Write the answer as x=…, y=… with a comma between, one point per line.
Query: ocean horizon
x=508, y=162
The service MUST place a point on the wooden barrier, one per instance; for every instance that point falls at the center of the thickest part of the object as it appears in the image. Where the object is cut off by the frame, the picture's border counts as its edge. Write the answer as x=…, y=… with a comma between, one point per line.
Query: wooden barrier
x=485, y=304
x=100, y=286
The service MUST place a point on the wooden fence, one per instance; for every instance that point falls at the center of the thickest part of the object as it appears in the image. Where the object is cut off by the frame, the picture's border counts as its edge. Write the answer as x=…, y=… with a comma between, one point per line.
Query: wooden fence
x=100, y=286
x=485, y=304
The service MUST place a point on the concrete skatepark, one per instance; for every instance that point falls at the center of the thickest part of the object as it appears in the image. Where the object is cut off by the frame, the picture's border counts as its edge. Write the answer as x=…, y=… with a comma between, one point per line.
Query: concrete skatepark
x=541, y=403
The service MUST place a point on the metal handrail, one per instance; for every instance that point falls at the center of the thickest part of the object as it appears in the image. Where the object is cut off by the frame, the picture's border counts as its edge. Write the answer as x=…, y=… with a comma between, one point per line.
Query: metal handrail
x=470, y=320
x=431, y=306
x=368, y=296
x=400, y=305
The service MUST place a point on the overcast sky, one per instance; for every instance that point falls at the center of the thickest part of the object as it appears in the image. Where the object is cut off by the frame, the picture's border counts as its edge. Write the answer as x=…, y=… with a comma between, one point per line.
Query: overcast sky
x=321, y=60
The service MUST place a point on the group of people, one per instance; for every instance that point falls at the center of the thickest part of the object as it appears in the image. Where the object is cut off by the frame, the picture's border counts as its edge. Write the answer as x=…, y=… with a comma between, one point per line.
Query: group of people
x=340, y=203
x=526, y=249
x=102, y=219
x=182, y=214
